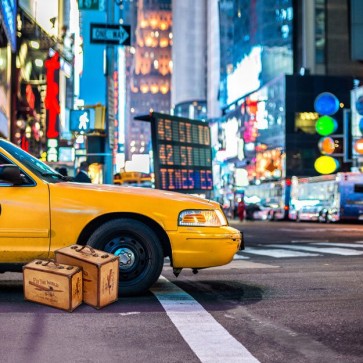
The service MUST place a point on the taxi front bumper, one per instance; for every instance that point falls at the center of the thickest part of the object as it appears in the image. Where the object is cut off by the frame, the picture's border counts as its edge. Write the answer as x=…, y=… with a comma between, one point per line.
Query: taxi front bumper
x=195, y=247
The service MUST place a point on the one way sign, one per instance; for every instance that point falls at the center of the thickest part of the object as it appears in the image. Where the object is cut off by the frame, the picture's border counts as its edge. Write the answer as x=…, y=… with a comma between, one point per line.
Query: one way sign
x=110, y=34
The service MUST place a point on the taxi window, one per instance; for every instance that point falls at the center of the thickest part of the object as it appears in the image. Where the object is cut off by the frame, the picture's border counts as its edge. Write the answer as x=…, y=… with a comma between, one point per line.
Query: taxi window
x=27, y=181
x=3, y=160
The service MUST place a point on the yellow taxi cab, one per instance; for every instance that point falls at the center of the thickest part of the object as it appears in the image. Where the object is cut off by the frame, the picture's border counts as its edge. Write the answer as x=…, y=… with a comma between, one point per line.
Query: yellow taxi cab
x=42, y=211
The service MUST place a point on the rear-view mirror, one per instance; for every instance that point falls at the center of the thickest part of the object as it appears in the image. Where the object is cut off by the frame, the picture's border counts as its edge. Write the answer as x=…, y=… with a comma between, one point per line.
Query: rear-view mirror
x=10, y=173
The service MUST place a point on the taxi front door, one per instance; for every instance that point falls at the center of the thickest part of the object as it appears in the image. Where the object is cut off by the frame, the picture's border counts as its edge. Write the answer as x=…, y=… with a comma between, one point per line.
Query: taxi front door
x=24, y=222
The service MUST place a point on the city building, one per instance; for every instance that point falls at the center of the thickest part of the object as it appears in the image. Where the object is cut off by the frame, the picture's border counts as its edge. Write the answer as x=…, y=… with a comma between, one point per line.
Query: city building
x=277, y=58
x=148, y=72
x=189, y=78
x=42, y=78
x=357, y=128
x=8, y=11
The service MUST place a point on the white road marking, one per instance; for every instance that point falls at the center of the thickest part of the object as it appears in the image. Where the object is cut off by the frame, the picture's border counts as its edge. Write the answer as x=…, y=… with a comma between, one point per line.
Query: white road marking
x=130, y=313
x=240, y=257
x=277, y=253
x=354, y=245
x=308, y=229
x=307, y=241
x=334, y=251
x=240, y=265
x=209, y=340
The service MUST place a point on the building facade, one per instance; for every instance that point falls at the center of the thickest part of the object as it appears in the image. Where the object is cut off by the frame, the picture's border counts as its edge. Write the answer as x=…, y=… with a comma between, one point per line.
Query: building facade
x=285, y=55
x=149, y=69
x=189, y=79
x=8, y=44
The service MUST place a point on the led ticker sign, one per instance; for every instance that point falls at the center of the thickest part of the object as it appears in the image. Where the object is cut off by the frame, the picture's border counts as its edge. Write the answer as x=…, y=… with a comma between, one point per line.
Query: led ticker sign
x=182, y=153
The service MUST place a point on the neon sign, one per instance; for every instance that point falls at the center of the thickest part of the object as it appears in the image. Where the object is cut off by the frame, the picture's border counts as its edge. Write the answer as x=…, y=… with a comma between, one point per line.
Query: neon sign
x=51, y=100
x=52, y=152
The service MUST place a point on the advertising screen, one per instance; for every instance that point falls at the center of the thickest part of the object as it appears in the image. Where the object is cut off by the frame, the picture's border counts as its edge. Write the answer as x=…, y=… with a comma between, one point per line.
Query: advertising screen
x=182, y=153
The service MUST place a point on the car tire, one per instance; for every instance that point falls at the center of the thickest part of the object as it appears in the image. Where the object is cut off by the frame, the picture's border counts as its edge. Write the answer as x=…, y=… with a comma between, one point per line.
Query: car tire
x=139, y=249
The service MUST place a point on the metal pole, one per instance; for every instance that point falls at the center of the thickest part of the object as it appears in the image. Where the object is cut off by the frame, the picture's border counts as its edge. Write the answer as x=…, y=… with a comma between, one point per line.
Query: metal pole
x=110, y=117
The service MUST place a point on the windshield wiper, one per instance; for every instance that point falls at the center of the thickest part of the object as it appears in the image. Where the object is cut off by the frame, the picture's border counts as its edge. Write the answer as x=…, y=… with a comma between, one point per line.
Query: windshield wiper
x=59, y=176
x=52, y=174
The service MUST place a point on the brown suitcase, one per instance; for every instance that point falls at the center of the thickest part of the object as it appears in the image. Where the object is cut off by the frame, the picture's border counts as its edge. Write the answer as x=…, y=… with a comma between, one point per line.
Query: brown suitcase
x=100, y=273
x=53, y=284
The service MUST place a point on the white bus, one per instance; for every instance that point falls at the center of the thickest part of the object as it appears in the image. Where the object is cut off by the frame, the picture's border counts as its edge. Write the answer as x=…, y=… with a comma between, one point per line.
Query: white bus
x=327, y=198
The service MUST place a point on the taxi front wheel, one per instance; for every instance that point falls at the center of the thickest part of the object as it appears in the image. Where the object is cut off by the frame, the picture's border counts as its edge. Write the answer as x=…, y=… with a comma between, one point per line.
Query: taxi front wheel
x=140, y=252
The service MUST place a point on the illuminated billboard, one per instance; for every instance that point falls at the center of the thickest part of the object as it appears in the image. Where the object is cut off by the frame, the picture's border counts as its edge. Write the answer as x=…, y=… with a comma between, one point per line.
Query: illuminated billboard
x=182, y=153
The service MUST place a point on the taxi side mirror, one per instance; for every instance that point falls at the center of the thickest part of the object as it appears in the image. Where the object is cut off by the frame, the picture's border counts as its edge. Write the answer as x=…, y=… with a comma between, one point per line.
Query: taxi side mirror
x=11, y=173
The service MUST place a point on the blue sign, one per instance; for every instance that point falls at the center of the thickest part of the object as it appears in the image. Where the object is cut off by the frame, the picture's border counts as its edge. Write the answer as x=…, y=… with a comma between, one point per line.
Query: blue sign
x=80, y=120
x=91, y=4
x=359, y=105
x=8, y=14
x=326, y=104
x=361, y=125
x=121, y=148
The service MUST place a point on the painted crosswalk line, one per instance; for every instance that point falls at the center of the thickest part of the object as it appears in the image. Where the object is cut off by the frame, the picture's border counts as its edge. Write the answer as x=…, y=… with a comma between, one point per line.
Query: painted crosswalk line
x=353, y=245
x=329, y=250
x=319, y=230
x=240, y=257
x=306, y=248
x=244, y=265
x=277, y=253
x=208, y=339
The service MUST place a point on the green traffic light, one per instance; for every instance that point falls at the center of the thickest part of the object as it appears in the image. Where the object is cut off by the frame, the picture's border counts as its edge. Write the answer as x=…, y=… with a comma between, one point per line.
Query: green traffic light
x=326, y=125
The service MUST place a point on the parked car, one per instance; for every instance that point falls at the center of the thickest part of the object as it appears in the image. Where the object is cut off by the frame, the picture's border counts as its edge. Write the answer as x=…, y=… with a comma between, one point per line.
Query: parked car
x=264, y=213
x=309, y=213
x=42, y=211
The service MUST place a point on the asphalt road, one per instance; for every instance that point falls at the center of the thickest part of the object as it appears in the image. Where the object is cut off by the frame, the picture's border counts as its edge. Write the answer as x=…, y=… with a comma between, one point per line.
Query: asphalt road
x=294, y=295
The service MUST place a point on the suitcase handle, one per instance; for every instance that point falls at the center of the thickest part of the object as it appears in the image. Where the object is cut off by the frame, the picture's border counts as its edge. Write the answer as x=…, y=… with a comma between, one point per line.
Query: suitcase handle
x=53, y=264
x=93, y=252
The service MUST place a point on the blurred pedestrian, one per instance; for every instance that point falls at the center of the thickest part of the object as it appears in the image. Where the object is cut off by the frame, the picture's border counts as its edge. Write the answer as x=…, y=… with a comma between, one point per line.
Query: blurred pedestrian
x=82, y=175
x=241, y=210
x=63, y=171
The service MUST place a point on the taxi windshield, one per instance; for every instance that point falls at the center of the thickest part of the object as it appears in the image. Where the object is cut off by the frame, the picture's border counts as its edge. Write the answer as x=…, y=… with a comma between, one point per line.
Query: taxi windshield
x=39, y=168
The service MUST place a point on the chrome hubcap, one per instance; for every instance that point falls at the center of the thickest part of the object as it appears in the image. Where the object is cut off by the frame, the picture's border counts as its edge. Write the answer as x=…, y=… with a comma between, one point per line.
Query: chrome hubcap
x=127, y=258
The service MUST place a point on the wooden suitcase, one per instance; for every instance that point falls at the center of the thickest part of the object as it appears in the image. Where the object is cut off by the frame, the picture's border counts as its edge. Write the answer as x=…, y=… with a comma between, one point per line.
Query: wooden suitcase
x=100, y=273
x=53, y=284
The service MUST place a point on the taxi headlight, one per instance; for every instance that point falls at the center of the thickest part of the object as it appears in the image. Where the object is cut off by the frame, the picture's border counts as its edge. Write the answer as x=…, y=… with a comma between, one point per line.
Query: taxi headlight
x=202, y=218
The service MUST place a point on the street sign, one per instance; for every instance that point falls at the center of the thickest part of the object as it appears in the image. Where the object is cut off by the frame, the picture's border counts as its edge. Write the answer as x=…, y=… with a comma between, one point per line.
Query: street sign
x=80, y=120
x=91, y=5
x=114, y=34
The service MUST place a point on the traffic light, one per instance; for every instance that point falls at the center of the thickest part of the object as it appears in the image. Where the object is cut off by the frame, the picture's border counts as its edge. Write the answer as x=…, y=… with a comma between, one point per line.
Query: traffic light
x=327, y=104
x=95, y=149
x=332, y=145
